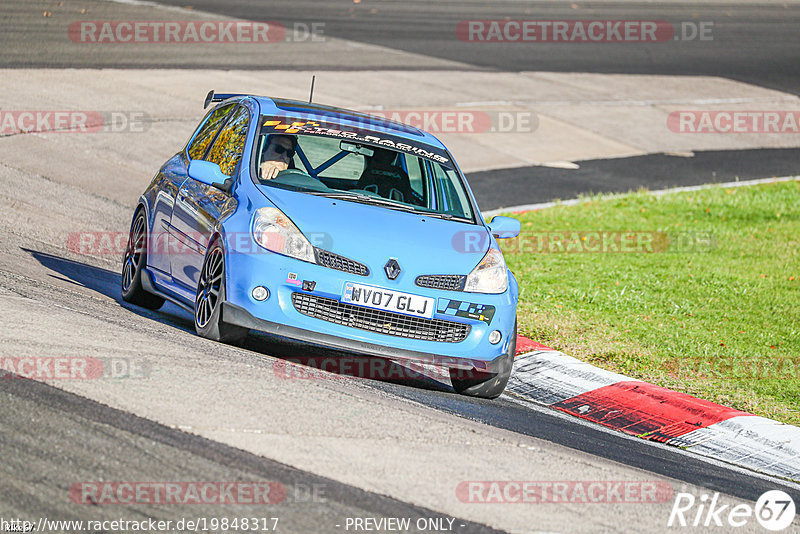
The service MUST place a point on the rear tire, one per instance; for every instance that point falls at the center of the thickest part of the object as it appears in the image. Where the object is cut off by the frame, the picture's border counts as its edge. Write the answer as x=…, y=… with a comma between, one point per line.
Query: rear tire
x=208, y=320
x=486, y=385
x=133, y=262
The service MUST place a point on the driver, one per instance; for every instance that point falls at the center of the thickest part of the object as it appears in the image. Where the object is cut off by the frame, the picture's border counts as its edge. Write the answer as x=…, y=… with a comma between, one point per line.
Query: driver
x=278, y=155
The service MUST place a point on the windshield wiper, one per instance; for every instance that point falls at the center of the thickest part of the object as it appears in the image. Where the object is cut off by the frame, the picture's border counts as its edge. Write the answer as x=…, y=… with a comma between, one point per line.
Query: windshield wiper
x=365, y=199
x=436, y=214
x=445, y=216
x=336, y=194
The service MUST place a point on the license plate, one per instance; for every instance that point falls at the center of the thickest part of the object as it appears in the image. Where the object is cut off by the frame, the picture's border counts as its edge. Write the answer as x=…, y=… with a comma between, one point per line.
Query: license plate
x=388, y=300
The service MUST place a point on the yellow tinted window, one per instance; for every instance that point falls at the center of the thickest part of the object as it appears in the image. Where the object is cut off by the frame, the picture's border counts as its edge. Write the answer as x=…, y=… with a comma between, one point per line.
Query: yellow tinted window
x=228, y=147
x=207, y=132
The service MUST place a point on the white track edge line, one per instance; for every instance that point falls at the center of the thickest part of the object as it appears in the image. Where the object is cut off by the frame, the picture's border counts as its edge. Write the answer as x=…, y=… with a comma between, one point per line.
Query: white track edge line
x=164, y=7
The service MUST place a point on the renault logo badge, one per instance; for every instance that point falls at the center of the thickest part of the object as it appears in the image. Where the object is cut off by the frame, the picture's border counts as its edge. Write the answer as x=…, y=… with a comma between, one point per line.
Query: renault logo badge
x=392, y=269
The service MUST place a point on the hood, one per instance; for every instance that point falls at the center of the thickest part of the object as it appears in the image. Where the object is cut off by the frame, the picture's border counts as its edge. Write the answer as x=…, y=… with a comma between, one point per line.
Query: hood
x=373, y=234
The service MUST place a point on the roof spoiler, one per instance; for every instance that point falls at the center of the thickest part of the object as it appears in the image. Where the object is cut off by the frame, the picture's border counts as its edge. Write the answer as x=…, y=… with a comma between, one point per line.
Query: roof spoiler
x=218, y=97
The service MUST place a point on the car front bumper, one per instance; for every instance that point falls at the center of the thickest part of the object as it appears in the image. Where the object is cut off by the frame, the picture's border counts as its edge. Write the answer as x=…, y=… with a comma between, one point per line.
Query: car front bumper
x=277, y=315
x=236, y=315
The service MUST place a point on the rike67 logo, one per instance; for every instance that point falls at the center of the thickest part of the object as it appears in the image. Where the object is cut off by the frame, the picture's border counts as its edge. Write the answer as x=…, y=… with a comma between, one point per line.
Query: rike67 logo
x=774, y=511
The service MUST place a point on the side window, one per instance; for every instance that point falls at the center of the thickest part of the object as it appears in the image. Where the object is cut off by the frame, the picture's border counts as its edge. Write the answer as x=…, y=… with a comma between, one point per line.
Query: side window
x=455, y=197
x=227, y=149
x=414, y=168
x=207, y=131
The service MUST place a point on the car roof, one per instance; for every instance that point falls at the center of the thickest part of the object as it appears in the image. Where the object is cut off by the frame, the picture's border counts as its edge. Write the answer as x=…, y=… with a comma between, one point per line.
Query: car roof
x=344, y=117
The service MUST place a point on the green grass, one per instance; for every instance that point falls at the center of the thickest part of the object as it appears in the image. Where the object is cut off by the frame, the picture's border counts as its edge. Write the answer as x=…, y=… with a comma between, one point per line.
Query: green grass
x=713, y=311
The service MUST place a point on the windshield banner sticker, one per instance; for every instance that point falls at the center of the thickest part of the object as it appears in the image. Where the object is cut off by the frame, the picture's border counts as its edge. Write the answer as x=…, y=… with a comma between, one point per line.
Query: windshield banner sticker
x=286, y=125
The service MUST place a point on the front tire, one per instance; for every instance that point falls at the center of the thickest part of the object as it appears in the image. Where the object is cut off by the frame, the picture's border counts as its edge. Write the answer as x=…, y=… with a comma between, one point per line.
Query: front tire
x=208, y=320
x=485, y=385
x=133, y=262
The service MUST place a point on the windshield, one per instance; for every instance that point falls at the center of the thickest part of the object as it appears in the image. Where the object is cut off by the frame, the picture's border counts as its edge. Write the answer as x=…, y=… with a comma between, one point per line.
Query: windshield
x=365, y=167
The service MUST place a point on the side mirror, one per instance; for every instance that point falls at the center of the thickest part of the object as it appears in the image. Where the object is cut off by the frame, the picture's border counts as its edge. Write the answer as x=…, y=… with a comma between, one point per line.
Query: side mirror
x=505, y=227
x=208, y=173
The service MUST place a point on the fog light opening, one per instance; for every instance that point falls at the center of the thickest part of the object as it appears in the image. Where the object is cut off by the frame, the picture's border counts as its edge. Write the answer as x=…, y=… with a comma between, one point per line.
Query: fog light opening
x=495, y=337
x=260, y=293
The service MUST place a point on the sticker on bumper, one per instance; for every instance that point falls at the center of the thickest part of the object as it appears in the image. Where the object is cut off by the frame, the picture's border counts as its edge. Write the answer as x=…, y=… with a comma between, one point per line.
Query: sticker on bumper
x=469, y=310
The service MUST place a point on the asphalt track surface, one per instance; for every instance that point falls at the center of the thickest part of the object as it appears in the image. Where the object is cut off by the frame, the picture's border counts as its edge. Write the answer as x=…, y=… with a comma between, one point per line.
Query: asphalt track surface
x=546, y=424
x=756, y=44
x=132, y=448
x=620, y=175
x=504, y=413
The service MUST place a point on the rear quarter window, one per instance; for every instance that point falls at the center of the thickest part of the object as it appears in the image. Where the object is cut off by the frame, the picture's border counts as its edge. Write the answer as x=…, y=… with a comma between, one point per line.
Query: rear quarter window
x=207, y=131
x=229, y=145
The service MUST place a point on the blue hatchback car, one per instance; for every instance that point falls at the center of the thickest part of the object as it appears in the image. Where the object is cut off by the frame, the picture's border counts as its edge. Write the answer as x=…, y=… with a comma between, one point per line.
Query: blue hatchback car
x=332, y=228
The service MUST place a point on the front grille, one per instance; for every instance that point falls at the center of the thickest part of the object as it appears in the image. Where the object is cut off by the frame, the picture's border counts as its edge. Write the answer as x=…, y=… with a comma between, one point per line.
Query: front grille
x=340, y=263
x=382, y=322
x=449, y=282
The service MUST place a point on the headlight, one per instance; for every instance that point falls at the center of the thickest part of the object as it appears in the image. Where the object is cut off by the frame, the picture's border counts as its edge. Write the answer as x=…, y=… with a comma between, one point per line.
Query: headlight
x=490, y=275
x=273, y=230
